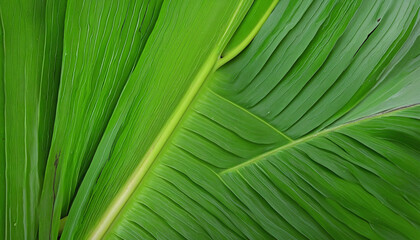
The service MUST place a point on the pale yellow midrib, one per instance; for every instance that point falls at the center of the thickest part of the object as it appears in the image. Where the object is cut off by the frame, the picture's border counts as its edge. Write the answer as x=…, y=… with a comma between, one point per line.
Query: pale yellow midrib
x=148, y=159
x=134, y=180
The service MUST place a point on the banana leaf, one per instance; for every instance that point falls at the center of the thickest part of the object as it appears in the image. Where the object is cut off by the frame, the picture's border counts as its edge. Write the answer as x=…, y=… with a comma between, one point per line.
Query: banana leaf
x=312, y=131
x=174, y=68
x=210, y=119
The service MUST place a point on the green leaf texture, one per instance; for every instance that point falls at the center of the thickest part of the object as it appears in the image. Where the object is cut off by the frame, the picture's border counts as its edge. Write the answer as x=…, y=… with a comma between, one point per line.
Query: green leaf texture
x=30, y=69
x=170, y=71
x=102, y=42
x=210, y=119
x=312, y=132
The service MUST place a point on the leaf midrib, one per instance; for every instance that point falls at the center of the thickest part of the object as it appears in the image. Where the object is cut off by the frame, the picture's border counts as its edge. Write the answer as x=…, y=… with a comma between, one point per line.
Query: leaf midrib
x=118, y=203
x=154, y=150
x=314, y=136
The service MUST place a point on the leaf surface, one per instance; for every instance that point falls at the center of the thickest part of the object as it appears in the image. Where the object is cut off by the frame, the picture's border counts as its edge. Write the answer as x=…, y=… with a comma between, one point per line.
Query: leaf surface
x=102, y=42
x=29, y=85
x=312, y=131
x=168, y=58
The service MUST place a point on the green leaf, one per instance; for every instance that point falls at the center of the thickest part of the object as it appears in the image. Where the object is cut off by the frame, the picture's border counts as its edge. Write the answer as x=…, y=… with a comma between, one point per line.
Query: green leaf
x=210, y=119
x=29, y=86
x=102, y=42
x=170, y=72
x=311, y=132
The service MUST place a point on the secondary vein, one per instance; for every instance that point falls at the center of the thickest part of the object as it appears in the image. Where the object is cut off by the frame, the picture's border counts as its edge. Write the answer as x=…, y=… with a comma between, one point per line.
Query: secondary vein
x=313, y=136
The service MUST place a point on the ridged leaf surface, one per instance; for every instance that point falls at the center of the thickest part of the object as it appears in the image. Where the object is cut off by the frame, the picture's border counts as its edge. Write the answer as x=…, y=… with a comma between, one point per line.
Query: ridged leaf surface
x=312, y=132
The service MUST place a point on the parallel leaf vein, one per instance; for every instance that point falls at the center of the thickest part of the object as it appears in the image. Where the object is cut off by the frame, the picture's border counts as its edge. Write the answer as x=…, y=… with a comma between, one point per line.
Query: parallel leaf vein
x=253, y=115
